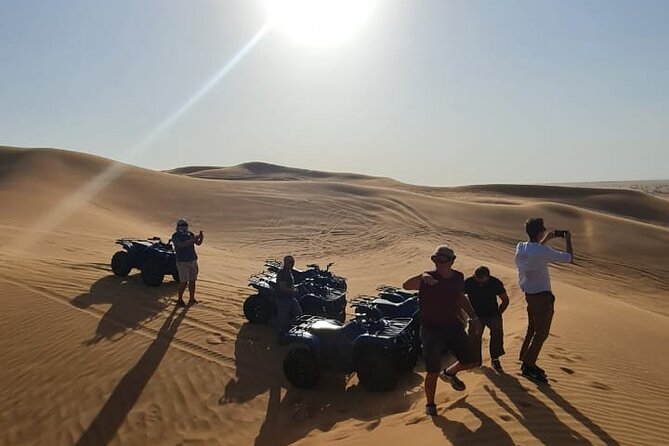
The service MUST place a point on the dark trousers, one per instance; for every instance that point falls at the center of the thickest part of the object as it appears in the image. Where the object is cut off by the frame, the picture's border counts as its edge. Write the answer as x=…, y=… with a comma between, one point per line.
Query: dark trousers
x=495, y=325
x=540, y=308
x=287, y=309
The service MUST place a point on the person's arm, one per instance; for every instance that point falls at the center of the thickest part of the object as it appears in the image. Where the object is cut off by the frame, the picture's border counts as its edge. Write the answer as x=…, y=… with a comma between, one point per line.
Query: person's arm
x=414, y=282
x=505, y=301
x=474, y=323
x=570, y=249
x=199, y=238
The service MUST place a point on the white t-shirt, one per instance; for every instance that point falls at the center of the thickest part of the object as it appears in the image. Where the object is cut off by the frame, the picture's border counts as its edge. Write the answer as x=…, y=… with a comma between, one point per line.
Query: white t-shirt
x=532, y=261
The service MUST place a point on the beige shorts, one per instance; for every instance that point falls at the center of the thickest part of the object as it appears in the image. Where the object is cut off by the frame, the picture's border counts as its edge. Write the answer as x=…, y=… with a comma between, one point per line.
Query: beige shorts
x=187, y=271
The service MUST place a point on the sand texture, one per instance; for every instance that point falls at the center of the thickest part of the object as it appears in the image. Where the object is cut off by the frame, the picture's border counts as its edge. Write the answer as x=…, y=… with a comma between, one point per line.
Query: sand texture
x=89, y=358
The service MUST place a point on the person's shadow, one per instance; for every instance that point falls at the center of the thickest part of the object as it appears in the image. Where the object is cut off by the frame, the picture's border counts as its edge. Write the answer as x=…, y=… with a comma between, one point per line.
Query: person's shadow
x=258, y=363
x=537, y=417
x=489, y=432
x=132, y=304
x=104, y=426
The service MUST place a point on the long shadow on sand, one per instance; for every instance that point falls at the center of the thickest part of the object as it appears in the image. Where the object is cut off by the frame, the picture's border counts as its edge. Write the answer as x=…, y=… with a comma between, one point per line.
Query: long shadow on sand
x=537, y=417
x=259, y=369
x=458, y=433
x=104, y=426
x=132, y=304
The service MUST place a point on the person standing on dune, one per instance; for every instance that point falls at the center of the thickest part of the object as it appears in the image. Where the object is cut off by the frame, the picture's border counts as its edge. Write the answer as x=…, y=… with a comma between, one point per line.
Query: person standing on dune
x=532, y=259
x=482, y=290
x=441, y=300
x=184, y=245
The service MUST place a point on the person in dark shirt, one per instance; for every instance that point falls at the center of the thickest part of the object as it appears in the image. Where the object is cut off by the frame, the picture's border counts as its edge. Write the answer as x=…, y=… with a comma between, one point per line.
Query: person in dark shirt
x=184, y=245
x=442, y=300
x=287, y=306
x=483, y=290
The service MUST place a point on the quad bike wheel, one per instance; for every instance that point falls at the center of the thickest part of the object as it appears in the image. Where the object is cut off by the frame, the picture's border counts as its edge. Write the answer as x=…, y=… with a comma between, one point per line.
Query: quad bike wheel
x=301, y=368
x=120, y=264
x=408, y=363
x=257, y=309
x=377, y=371
x=152, y=273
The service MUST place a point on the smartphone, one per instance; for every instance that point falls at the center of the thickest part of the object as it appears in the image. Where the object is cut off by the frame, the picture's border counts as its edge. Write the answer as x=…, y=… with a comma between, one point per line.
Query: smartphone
x=560, y=233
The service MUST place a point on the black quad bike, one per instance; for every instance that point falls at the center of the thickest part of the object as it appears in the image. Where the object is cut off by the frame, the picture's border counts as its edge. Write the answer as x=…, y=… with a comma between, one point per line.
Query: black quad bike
x=151, y=256
x=393, y=303
x=319, y=293
x=377, y=349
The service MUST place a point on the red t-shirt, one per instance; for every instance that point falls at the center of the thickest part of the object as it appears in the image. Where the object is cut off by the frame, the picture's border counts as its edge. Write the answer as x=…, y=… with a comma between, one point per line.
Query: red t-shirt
x=440, y=304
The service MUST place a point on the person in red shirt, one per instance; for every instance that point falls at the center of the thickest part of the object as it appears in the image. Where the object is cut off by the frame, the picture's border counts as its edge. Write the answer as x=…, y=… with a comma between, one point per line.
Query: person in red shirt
x=442, y=301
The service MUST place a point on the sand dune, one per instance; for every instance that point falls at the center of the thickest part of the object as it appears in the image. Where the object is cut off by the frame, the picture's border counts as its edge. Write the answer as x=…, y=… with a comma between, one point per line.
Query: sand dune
x=95, y=359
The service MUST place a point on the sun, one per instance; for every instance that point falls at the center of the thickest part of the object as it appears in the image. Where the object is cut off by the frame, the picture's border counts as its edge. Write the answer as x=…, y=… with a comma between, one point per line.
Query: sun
x=322, y=23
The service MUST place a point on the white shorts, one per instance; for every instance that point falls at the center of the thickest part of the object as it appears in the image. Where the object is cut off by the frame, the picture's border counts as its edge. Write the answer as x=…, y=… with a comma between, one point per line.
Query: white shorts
x=187, y=271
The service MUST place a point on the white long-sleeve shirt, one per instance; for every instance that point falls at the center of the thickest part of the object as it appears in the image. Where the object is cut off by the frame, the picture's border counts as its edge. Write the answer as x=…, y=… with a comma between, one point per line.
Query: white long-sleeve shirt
x=532, y=261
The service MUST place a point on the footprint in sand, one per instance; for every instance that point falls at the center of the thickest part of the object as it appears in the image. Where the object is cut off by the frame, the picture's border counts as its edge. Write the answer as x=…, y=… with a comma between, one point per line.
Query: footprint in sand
x=600, y=386
x=506, y=418
x=215, y=339
x=567, y=370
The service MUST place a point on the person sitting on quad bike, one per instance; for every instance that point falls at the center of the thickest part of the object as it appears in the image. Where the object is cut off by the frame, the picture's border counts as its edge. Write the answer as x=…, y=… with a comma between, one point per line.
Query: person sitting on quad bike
x=287, y=306
x=184, y=245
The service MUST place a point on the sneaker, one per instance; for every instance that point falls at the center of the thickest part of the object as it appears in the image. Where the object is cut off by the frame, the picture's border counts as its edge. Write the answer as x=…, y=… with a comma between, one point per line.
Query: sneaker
x=497, y=366
x=533, y=374
x=431, y=410
x=193, y=302
x=453, y=380
x=535, y=367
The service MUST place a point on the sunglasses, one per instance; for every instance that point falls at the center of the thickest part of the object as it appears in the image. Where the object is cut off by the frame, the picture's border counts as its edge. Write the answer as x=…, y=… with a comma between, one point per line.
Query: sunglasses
x=443, y=260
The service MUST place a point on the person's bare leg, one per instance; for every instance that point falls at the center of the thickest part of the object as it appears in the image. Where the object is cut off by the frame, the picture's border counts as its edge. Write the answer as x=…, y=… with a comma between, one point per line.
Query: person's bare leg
x=182, y=288
x=457, y=367
x=430, y=386
x=191, y=291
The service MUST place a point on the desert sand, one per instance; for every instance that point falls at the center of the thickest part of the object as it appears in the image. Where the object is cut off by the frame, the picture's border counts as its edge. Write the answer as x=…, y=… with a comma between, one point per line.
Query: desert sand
x=93, y=359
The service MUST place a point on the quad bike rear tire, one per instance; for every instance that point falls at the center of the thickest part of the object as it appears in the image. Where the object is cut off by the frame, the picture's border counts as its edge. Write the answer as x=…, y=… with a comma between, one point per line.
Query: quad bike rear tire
x=301, y=368
x=408, y=363
x=120, y=264
x=152, y=273
x=377, y=371
x=258, y=309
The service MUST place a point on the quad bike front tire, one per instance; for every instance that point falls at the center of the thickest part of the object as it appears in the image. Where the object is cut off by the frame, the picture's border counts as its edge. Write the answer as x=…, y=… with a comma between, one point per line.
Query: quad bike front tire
x=152, y=273
x=258, y=309
x=301, y=368
x=121, y=264
x=377, y=371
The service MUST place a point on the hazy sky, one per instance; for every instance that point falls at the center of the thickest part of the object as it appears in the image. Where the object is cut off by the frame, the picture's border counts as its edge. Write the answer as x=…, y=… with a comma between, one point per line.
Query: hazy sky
x=432, y=92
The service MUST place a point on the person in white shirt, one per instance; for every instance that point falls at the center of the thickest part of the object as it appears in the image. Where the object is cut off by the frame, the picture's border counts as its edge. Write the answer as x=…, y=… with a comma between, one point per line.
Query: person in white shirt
x=532, y=259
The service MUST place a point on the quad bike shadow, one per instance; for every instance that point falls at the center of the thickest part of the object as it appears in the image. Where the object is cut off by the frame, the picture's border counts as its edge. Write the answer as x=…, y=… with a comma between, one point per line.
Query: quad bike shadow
x=292, y=413
x=123, y=304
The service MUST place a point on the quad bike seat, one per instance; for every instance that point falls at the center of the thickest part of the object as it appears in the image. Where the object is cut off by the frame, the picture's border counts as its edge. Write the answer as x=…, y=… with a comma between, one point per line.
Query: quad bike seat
x=326, y=327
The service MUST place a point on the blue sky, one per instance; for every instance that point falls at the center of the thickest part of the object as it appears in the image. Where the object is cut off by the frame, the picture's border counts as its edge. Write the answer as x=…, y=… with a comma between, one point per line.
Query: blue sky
x=431, y=92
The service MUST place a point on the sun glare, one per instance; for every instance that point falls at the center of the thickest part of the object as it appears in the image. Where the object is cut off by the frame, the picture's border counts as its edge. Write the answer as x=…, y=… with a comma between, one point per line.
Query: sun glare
x=323, y=23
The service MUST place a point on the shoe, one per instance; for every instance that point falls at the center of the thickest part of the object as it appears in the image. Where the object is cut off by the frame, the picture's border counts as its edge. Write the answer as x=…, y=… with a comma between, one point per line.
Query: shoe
x=431, y=410
x=533, y=374
x=193, y=302
x=453, y=380
x=497, y=366
x=535, y=367
x=181, y=303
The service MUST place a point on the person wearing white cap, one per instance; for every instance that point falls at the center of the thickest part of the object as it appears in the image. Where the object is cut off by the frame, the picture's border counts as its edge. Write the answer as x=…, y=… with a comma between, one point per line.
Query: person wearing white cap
x=184, y=245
